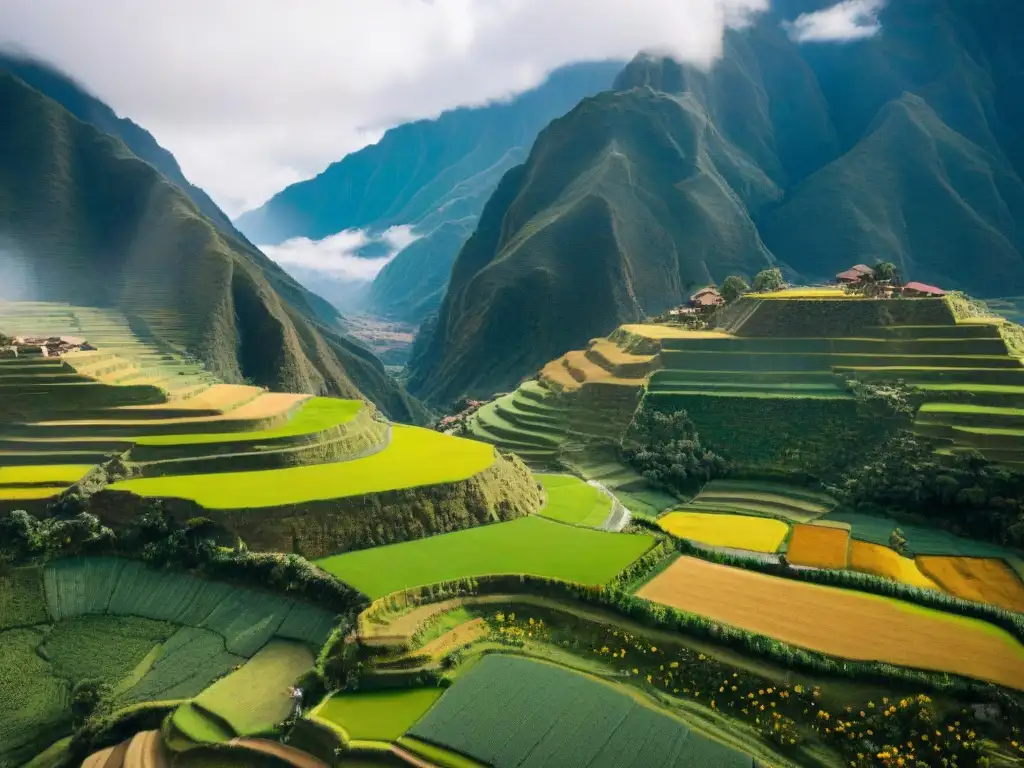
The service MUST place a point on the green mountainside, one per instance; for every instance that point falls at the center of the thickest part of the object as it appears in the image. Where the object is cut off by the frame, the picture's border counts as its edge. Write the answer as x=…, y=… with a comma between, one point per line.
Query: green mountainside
x=424, y=174
x=84, y=221
x=810, y=157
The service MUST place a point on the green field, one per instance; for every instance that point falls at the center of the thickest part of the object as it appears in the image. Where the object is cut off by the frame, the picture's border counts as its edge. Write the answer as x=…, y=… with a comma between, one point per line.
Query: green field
x=22, y=599
x=761, y=499
x=509, y=712
x=529, y=545
x=314, y=415
x=415, y=457
x=378, y=715
x=571, y=500
x=253, y=699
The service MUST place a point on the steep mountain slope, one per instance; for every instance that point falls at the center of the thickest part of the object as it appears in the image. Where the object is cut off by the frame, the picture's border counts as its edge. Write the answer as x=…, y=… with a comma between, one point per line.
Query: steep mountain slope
x=903, y=147
x=89, y=109
x=425, y=174
x=83, y=220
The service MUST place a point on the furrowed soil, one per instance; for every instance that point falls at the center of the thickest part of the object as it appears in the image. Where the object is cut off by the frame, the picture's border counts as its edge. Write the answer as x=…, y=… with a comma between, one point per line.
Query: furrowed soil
x=839, y=622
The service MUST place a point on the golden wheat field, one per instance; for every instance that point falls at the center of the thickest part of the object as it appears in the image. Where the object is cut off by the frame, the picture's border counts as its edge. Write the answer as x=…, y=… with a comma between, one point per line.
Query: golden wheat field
x=759, y=534
x=983, y=580
x=819, y=546
x=840, y=622
x=883, y=561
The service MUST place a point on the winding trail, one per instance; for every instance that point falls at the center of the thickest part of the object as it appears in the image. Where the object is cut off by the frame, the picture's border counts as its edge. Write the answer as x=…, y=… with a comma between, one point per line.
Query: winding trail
x=619, y=517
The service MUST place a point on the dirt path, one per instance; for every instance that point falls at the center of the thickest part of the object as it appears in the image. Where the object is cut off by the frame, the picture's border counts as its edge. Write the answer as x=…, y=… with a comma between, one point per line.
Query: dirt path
x=841, y=622
x=290, y=755
x=619, y=516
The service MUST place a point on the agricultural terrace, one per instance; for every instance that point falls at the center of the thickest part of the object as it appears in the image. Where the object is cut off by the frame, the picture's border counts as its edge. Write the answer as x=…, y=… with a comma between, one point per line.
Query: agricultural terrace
x=509, y=711
x=529, y=545
x=757, y=534
x=415, y=457
x=921, y=540
x=146, y=635
x=571, y=500
x=819, y=546
x=55, y=474
x=377, y=715
x=882, y=561
x=841, y=623
x=983, y=580
x=765, y=499
x=251, y=700
x=318, y=414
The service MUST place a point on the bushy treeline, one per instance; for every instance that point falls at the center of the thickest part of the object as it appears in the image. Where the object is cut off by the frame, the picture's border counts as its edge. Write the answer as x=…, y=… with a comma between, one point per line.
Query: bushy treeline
x=664, y=447
x=25, y=538
x=965, y=494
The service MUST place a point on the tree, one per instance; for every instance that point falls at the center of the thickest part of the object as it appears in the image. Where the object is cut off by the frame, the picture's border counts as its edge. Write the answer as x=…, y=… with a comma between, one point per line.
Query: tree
x=665, y=449
x=768, y=280
x=884, y=271
x=733, y=287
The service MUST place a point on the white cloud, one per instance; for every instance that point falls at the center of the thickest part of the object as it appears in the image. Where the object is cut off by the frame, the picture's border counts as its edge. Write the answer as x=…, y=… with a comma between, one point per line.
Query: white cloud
x=251, y=95
x=847, y=20
x=335, y=257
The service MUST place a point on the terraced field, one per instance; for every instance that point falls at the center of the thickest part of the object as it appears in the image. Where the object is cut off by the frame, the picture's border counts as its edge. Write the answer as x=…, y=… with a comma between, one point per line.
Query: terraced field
x=839, y=622
x=149, y=635
x=761, y=499
x=529, y=545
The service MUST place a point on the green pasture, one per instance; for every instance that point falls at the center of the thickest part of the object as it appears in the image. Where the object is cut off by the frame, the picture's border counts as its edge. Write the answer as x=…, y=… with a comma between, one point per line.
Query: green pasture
x=34, y=702
x=415, y=457
x=571, y=500
x=378, y=715
x=253, y=699
x=509, y=711
x=317, y=414
x=22, y=599
x=529, y=545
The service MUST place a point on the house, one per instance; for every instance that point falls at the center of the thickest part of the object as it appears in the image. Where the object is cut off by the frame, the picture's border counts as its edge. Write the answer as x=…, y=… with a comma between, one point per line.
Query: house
x=856, y=274
x=706, y=298
x=921, y=290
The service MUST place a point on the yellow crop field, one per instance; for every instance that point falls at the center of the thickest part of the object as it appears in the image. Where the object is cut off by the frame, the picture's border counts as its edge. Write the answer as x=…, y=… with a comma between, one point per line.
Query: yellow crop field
x=45, y=473
x=984, y=580
x=28, y=494
x=819, y=546
x=883, y=561
x=759, y=534
x=415, y=457
x=804, y=293
x=266, y=406
x=220, y=396
x=652, y=331
x=841, y=622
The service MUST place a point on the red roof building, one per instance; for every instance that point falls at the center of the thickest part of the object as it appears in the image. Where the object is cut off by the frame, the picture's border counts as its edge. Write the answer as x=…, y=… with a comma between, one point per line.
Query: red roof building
x=922, y=289
x=855, y=274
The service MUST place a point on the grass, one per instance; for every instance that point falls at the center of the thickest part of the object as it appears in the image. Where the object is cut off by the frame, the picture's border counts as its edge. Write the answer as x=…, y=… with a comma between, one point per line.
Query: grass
x=733, y=531
x=571, y=500
x=198, y=726
x=509, y=711
x=529, y=545
x=436, y=755
x=983, y=580
x=317, y=414
x=378, y=715
x=106, y=648
x=841, y=623
x=921, y=540
x=415, y=457
x=819, y=546
x=33, y=701
x=28, y=494
x=48, y=473
x=253, y=699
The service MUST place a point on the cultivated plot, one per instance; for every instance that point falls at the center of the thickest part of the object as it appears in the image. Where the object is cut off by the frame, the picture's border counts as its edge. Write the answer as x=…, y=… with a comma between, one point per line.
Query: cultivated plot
x=757, y=534
x=529, y=545
x=509, y=712
x=843, y=623
x=377, y=715
x=571, y=500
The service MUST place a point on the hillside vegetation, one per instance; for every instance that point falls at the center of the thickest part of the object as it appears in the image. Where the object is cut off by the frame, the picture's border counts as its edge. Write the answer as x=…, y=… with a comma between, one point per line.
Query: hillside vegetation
x=809, y=157
x=86, y=222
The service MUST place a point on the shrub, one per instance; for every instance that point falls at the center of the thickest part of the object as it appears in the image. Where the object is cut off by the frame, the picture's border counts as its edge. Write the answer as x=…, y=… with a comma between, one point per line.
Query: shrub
x=733, y=287
x=665, y=448
x=768, y=280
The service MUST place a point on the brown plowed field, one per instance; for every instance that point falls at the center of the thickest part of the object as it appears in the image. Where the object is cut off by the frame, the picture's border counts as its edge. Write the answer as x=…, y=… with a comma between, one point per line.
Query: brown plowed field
x=983, y=580
x=841, y=622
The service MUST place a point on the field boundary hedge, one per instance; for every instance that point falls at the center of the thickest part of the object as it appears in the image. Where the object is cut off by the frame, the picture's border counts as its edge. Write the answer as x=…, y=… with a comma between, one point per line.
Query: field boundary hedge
x=663, y=617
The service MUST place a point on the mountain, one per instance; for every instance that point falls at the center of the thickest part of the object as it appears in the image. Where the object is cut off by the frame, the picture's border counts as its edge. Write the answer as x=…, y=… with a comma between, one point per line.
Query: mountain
x=904, y=147
x=424, y=174
x=85, y=221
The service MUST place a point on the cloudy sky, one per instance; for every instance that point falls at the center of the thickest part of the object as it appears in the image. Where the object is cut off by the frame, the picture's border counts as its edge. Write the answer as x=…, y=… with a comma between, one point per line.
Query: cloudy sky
x=251, y=95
